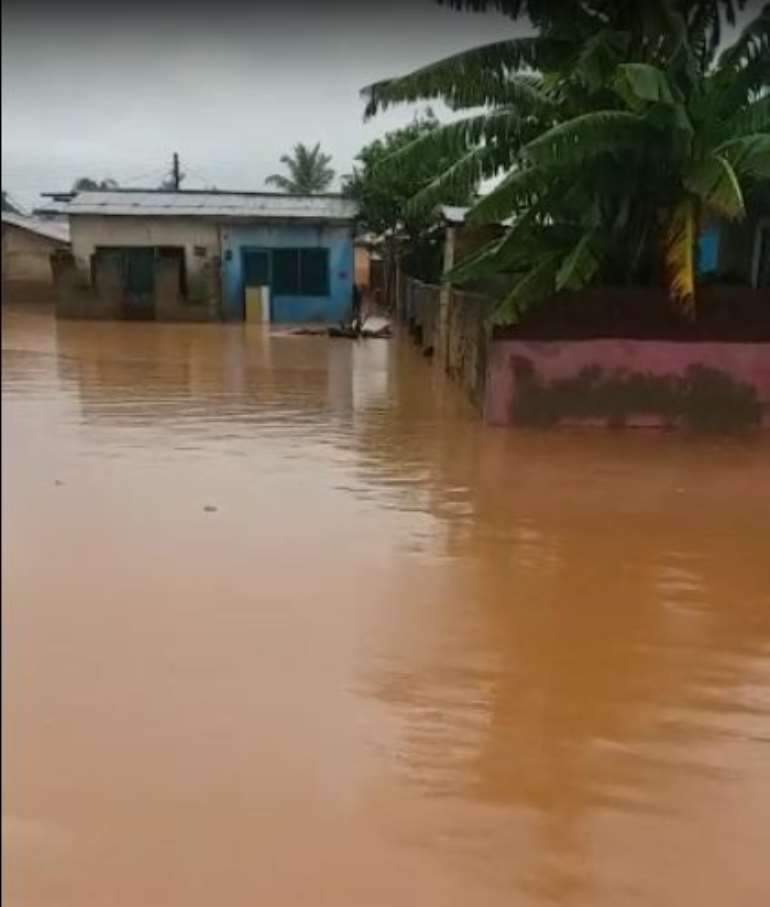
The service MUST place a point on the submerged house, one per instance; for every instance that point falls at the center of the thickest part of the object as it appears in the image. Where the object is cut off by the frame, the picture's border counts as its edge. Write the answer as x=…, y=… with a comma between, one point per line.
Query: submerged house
x=206, y=256
x=28, y=243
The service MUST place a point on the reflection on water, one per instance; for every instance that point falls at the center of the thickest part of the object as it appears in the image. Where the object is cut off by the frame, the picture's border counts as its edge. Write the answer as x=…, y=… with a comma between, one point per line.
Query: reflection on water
x=407, y=660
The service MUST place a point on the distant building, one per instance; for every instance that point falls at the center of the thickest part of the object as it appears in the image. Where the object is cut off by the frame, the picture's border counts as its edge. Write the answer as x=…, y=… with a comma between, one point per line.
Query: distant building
x=736, y=253
x=368, y=265
x=206, y=256
x=28, y=243
x=362, y=257
x=729, y=252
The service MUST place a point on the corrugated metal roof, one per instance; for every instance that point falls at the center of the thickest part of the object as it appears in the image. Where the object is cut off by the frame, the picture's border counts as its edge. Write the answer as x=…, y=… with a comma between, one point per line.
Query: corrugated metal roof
x=208, y=204
x=50, y=229
x=453, y=214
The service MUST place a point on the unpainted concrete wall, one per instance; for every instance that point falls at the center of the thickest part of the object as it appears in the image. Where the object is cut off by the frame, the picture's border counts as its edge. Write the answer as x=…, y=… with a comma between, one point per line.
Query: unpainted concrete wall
x=26, y=267
x=468, y=337
x=197, y=237
x=419, y=310
x=76, y=297
x=463, y=354
x=81, y=296
x=201, y=301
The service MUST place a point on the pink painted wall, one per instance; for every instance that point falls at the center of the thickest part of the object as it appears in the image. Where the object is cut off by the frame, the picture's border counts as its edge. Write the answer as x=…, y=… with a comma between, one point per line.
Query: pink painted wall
x=552, y=360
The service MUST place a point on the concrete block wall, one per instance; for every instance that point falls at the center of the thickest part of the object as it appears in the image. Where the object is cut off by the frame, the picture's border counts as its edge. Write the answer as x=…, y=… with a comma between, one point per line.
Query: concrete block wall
x=624, y=382
x=198, y=240
x=422, y=314
x=26, y=268
x=468, y=339
x=76, y=297
x=202, y=300
x=612, y=381
x=462, y=353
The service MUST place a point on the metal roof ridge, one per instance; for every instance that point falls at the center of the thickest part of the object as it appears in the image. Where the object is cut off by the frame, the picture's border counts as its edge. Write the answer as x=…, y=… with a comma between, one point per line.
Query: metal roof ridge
x=182, y=192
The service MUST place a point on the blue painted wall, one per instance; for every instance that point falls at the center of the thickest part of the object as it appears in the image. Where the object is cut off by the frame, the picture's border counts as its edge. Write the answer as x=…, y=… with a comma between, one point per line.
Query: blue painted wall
x=708, y=251
x=338, y=240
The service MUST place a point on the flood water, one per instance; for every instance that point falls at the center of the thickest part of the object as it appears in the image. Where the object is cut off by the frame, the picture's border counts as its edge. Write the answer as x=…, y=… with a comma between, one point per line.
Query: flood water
x=284, y=624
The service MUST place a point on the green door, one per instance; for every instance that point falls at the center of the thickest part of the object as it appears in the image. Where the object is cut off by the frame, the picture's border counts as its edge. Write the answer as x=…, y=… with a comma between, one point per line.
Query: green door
x=256, y=268
x=139, y=282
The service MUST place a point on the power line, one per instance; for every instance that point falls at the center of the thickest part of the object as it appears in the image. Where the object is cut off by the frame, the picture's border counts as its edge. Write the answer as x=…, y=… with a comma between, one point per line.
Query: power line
x=201, y=176
x=143, y=176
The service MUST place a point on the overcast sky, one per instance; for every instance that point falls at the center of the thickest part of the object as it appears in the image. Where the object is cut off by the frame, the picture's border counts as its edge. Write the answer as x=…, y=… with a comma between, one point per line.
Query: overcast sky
x=230, y=85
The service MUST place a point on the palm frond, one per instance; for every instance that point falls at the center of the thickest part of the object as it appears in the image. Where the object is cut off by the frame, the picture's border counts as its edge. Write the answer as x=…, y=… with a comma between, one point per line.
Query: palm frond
x=587, y=136
x=519, y=187
x=754, y=118
x=679, y=255
x=308, y=171
x=682, y=62
x=730, y=90
x=748, y=155
x=704, y=27
x=480, y=263
x=276, y=179
x=640, y=84
x=524, y=91
x=461, y=136
x=599, y=56
x=458, y=74
x=535, y=286
x=752, y=43
x=716, y=184
x=513, y=251
x=580, y=266
x=462, y=177
x=512, y=8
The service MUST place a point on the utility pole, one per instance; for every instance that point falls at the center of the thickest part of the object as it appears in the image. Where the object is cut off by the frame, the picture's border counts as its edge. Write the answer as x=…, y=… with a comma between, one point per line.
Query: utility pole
x=175, y=172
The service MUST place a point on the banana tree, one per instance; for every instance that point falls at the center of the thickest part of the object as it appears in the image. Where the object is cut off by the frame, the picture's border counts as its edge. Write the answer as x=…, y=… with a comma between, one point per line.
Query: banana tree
x=628, y=134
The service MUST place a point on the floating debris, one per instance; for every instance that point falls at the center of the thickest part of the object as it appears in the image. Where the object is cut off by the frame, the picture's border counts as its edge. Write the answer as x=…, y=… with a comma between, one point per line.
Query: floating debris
x=310, y=331
x=210, y=508
x=373, y=328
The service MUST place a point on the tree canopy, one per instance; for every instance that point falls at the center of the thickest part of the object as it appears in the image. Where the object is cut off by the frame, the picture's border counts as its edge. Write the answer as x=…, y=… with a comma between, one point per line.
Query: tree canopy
x=309, y=171
x=384, y=192
x=617, y=129
x=87, y=184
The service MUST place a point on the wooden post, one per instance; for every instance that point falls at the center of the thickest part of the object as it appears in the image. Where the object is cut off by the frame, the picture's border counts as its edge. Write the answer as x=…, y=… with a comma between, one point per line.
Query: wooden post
x=175, y=172
x=398, y=288
x=445, y=297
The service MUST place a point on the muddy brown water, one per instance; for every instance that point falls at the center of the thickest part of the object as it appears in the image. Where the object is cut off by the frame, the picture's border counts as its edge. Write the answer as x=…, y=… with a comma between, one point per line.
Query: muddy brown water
x=285, y=625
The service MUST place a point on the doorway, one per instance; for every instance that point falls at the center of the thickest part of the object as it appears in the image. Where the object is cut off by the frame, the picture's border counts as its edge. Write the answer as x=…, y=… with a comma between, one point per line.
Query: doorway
x=256, y=273
x=127, y=272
